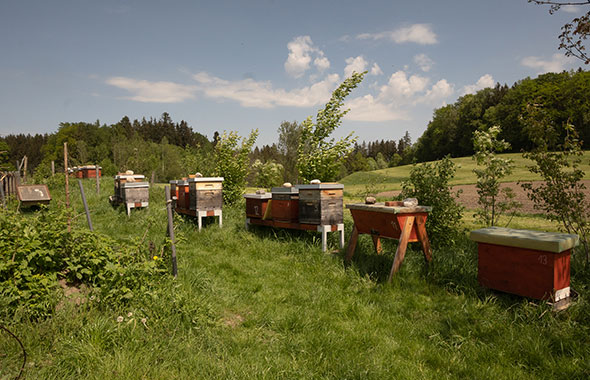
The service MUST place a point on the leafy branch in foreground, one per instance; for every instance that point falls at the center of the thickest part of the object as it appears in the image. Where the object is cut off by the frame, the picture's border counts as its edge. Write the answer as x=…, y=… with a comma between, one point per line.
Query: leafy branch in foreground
x=575, y=32
x=318, y=158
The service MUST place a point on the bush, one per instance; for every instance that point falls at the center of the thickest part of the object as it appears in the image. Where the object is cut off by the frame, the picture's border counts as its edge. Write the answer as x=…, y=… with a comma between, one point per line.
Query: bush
x=38, y=251
x=429, y=183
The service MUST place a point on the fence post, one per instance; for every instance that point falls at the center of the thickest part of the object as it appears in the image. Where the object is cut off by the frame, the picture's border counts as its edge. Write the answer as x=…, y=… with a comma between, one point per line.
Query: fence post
x=85, y=205
x=171, y=230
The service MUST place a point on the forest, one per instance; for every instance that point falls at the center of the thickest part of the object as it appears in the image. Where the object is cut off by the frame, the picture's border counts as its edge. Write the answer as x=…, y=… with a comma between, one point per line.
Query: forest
x=167, y=149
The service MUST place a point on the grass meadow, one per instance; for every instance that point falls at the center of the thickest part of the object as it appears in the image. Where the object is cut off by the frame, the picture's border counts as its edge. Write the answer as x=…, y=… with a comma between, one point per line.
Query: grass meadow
x=269, y=304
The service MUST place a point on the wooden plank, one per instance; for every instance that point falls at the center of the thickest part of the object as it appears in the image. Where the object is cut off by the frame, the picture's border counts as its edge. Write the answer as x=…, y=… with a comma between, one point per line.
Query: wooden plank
x=352, y=244
x=423, y=237
x=377, y=244
x=403, y=245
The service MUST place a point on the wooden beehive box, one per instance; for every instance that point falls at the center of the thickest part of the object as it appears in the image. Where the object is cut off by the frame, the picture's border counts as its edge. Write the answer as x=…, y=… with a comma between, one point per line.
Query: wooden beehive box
x=121, y=179
x=33, y=195
x=256, y=204
x=528, y=263
x=173, y=192
x=321, y=203
x=285, y=204
x=135, y=192
x=183, y=194
x=205, y=193
x=88, y=171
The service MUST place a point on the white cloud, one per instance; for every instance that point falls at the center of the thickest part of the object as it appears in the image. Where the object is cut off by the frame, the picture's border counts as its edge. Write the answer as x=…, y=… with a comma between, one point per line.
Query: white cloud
x=301, y=50
x=322, y=63
x=153, y=92
x=557, y=63
x=250, y=93
x=400, y=86
x=355, y=64
x=424, y=62
x=418, y=33
x=398, y=97
x=484, y=81
x=571, y=9
x=368, y=108
x=376, y=70
x=437, y=94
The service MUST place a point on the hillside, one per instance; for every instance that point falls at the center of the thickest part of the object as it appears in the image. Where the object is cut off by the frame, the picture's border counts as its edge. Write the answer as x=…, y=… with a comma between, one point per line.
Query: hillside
x=391, y=179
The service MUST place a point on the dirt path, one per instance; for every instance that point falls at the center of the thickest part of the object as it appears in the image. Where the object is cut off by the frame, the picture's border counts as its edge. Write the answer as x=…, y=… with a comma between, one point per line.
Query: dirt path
x=468, y=196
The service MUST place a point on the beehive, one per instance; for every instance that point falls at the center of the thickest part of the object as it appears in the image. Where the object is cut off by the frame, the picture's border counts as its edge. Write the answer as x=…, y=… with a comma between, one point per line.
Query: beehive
x=205, y=193
x=33, y=195
x=533, y=264
x=88, y=171
x=121, y=179
x=285, y=204
x=135, y=192
x=321, y=203
x=256, y=204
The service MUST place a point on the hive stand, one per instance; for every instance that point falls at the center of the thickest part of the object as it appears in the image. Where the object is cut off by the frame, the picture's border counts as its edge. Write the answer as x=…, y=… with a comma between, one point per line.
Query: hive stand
x=406, y=224
x=324, y=229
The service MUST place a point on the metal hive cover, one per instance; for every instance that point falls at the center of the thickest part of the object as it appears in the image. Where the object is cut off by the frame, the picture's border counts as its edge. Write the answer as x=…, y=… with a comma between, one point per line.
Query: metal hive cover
x=206, y=179
x=321, y=186
x=285, y=190
x=33, y=193
x=131, y=185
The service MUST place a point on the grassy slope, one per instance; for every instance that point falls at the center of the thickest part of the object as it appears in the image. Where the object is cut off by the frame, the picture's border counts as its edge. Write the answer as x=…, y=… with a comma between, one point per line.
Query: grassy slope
x=269, y=304
x=391, y=178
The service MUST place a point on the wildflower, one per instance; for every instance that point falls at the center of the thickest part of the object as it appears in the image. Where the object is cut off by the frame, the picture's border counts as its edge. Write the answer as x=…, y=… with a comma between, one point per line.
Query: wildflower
x=129, y=315
x=119, y=319
x=144, y=321
x=155, y=257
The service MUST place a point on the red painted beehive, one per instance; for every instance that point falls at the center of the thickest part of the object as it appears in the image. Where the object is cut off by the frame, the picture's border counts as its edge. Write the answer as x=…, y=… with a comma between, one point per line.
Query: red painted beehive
x=256, y=204
x=285, y=204
x=533, y=264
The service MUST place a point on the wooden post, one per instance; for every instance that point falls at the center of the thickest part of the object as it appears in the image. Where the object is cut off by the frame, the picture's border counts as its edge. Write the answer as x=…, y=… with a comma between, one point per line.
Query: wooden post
x=153, y=177
x=85, y=205
x=52, y=168
x=67, y=174
x=25, y=169
x=171, y=230
x=2, y=192
x=97, y=179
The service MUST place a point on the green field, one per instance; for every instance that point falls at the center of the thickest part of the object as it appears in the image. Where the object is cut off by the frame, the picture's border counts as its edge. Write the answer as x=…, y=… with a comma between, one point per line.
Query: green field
x=269, y=304
x=391, y=178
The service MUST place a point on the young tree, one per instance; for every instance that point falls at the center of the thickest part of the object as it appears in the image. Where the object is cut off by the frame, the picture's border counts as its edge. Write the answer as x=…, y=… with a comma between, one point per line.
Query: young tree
x=561, y=195
x=317, y=157
x=289, y=134
x=232, y=163
x=494, y=168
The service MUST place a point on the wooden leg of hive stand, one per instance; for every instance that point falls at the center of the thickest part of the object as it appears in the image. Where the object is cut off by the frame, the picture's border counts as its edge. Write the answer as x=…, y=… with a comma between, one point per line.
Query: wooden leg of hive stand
x=341, y=231
x=423, y=237
x=401, y=248
x=352, y=243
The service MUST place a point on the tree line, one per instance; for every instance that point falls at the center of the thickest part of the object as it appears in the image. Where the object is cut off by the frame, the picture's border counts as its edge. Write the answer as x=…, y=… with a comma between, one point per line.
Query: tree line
x=171, y=150
x=558, y=98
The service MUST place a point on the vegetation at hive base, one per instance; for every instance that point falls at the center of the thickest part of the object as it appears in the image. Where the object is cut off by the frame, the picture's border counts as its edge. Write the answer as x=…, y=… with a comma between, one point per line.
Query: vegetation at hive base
x=269, y=304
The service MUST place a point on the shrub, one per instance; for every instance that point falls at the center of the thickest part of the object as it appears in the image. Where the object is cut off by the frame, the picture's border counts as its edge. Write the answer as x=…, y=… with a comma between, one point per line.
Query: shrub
x=561, y=194
x=486, y=145
x=232, y=163
x=37, y=251
x=429, y=183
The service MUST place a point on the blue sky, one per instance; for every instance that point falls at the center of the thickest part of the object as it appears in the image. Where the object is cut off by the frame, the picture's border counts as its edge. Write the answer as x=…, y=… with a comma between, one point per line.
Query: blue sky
x=238, y=65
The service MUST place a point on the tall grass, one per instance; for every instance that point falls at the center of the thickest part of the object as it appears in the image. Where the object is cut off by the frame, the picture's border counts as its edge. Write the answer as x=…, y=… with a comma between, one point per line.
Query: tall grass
x=270, y=304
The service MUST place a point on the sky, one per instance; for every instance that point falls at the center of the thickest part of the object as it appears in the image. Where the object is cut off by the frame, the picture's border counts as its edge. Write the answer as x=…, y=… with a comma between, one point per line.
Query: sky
x=239, y=65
